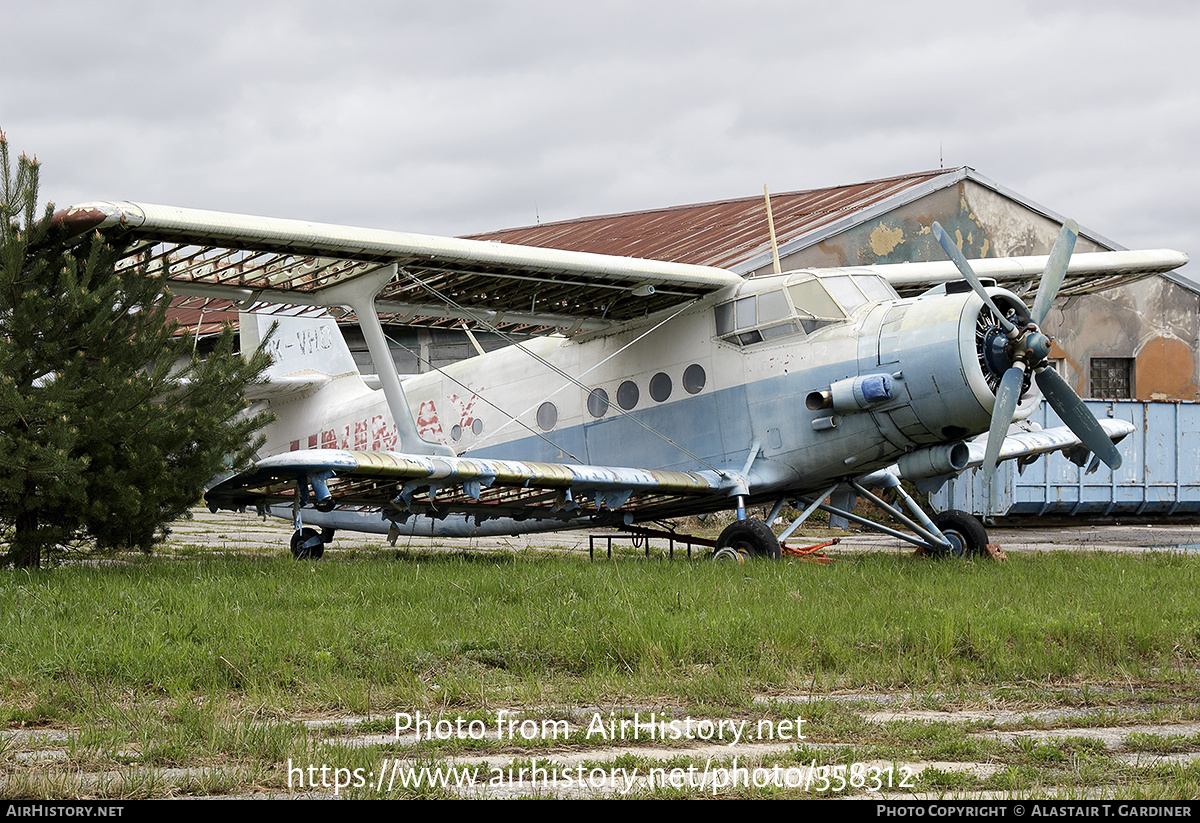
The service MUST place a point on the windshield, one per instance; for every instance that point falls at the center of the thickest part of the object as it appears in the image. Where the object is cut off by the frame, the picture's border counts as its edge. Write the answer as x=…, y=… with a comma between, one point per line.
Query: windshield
x=800, y=305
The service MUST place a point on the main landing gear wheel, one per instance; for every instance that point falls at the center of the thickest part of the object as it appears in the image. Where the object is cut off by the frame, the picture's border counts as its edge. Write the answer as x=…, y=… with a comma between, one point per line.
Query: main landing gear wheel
x=307, y=544
x=744, y=539
x=967, y=536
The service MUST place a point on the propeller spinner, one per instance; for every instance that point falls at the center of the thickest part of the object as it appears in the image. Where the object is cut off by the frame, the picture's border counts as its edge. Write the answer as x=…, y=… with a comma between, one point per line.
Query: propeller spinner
x=1027, y=347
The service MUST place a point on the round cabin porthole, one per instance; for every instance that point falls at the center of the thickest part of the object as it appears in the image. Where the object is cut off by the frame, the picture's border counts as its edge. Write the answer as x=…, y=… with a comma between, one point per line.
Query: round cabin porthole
x=476, y=427
x=627, y=395
x=660, y=386
x=547, y=416
x=597, y=403
x=694, y=378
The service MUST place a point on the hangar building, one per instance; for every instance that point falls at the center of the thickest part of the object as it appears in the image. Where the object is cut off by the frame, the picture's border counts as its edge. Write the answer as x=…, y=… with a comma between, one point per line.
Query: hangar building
x=1139, y=340
x=1128, y=347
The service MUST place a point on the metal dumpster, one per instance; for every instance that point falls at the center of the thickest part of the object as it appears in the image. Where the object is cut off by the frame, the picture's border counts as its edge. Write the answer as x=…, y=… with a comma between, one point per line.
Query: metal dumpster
x=1160, y=473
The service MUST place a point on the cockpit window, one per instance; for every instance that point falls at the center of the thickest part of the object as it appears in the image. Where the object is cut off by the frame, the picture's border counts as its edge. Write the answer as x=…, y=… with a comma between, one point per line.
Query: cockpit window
x=845, y=292
x=875, y=287
x=756, y=317
x=746, y=315
x=813, y=302
x=724, y=319
x=805, y=304
x=772, y=305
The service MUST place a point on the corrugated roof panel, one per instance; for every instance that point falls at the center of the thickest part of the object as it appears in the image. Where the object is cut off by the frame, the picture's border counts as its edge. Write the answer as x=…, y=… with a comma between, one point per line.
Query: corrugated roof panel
x=202, y=317
x=721, y=233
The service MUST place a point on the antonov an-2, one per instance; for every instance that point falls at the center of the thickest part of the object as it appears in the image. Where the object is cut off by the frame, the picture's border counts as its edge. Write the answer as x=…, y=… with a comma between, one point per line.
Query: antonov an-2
x=668, y=390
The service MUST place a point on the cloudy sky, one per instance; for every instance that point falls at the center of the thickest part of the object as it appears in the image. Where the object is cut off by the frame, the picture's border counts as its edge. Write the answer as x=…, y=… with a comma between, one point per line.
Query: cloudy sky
x=458, y=117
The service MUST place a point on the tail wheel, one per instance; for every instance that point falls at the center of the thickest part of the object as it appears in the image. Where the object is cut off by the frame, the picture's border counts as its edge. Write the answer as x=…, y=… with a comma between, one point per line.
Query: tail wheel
x=967, y=536
x=752, y=538
x=307, y=544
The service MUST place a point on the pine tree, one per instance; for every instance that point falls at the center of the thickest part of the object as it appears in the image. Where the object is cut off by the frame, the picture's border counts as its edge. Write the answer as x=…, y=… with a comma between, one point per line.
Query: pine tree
x=110, y=427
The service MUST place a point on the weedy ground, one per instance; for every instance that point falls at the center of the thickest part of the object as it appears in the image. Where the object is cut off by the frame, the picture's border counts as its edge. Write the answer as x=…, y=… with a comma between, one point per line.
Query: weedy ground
x=234, y=671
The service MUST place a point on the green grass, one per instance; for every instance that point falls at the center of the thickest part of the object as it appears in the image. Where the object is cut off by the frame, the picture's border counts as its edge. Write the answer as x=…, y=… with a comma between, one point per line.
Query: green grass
x=199, y=663
x=458, y=630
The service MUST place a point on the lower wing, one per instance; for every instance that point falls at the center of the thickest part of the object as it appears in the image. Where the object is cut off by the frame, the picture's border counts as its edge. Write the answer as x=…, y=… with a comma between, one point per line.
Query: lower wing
x=401, y=486
x=1024, y=447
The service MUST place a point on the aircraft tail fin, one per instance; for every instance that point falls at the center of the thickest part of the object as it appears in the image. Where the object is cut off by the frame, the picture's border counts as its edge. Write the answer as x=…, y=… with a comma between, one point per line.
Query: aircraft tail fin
x=308, y=345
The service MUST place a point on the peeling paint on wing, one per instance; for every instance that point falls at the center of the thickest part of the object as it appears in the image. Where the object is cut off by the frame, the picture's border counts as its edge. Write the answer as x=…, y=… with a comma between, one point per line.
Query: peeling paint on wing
x=513, y=473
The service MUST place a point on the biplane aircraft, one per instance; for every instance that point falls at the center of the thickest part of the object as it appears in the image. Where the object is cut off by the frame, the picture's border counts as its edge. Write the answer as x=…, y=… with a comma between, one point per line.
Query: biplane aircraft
x=659, y=390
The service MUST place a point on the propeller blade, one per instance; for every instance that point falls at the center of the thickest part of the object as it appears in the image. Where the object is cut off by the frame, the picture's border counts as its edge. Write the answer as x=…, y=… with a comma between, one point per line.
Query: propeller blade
x=969, y=275
x=1007, y=397
x=1077, y=417
x=1056, y=270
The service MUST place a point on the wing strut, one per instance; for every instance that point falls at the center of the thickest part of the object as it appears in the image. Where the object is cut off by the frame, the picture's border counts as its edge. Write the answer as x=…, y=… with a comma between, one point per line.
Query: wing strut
x=359, y=296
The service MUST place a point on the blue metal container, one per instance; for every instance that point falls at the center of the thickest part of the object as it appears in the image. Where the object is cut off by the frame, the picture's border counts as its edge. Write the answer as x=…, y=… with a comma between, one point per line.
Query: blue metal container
x=1160, y=473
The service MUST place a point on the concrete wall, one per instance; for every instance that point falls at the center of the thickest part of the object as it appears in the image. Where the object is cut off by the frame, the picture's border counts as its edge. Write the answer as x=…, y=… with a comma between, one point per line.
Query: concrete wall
x=1155, y=321
x=988, y=223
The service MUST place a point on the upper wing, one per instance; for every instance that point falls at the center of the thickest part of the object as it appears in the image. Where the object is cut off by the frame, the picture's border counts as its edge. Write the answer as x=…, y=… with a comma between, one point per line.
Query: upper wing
x=1087, y=272
x=402, y=484
x=447, y=280
x=243, y=258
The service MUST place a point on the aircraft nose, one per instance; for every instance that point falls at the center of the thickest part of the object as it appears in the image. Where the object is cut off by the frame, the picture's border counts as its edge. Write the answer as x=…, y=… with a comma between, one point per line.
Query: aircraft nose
x=1038, y=345
x=946, y=361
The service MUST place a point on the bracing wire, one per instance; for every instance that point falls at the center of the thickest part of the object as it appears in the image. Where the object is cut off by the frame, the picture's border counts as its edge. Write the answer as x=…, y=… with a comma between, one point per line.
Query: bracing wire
x=477, y=393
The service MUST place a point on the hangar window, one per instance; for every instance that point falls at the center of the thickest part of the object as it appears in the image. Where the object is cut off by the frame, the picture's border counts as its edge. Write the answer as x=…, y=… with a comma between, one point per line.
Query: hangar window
x=1112, y=378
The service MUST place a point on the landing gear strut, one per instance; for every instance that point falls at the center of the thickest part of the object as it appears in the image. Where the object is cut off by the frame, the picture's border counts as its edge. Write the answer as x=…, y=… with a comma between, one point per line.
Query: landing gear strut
x=948, y=534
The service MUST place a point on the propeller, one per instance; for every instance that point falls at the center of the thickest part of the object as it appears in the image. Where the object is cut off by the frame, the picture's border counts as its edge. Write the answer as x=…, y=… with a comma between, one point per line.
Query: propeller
x=1027, y=348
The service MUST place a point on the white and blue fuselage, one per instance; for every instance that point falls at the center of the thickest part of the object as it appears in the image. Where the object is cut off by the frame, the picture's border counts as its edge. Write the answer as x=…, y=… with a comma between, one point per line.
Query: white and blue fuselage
x=798, y=380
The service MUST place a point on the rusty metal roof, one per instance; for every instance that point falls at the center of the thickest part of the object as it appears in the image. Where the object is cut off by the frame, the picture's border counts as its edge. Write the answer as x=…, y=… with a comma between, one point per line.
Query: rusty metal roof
x=206, y=319
x=723, y=233
x=651, y=258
